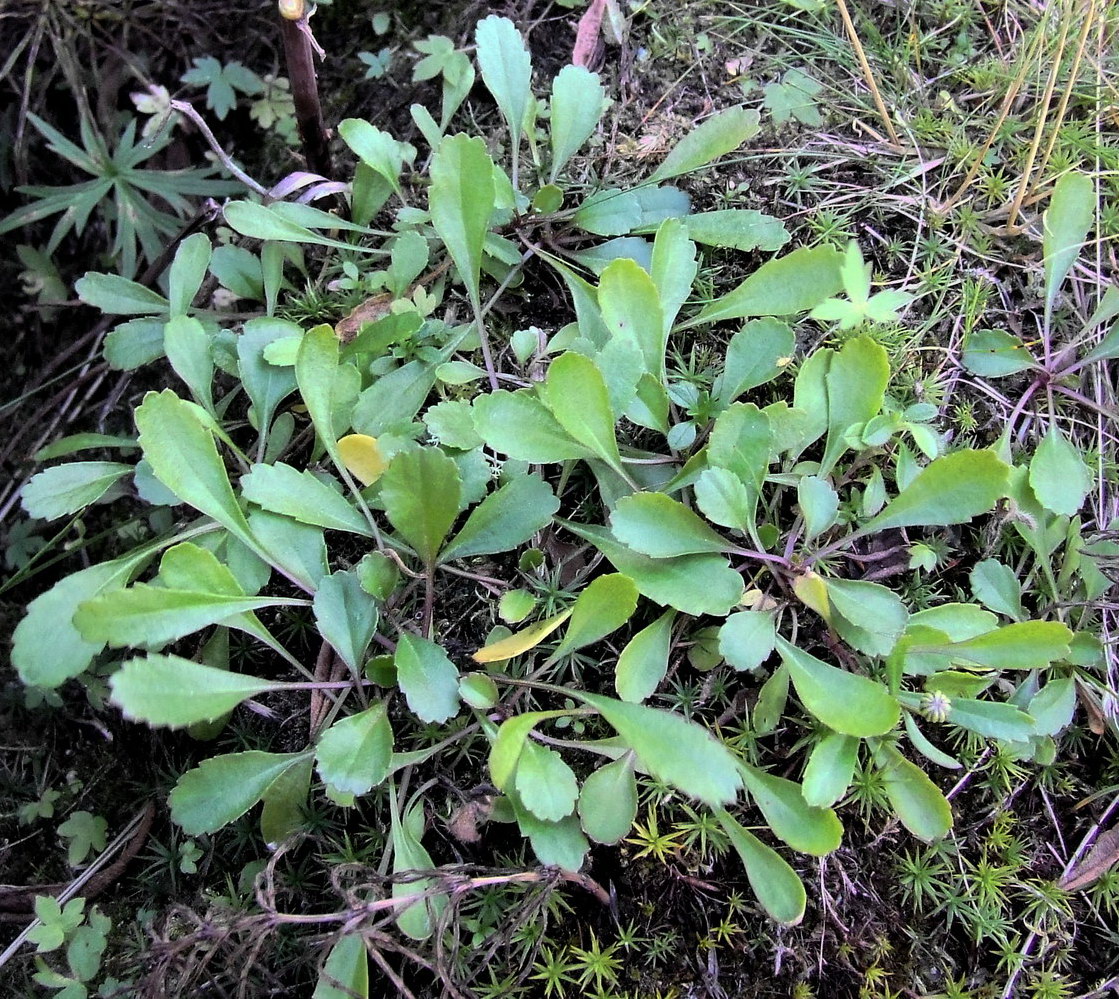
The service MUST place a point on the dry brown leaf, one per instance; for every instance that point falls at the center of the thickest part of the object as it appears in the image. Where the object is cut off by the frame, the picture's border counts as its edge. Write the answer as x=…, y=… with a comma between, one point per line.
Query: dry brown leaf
x=586, y=35
x=1104, y=853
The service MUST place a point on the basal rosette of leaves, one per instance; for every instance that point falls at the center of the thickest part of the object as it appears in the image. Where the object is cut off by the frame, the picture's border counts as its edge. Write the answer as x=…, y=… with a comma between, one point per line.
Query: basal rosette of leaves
x=718, y=512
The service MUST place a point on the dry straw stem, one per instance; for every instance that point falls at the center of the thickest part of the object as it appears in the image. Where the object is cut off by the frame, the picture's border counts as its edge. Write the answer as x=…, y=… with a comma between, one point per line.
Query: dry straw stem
x=868, y=73
x=1004, y=112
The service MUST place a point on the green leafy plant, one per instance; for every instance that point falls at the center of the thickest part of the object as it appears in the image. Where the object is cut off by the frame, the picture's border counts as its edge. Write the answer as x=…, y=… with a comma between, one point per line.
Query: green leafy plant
x=119, y=188
x=354, y=470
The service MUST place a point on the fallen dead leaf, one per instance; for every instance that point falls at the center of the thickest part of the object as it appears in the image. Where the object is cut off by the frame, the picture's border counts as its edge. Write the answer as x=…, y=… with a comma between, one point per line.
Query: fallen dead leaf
x=1104, y=853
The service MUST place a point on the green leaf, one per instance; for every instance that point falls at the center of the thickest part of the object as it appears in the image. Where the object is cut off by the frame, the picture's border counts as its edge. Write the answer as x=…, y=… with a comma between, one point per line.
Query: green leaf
x=1071, y=211
x=694, y=584
x=608, y=801
x=673, y=267
x=118, y=296
x=918, y=802
x=644, y=661
x=871, y=617
x=83, y=442
x=1059, y=476
x=183, y=456
x=345, y=615
x=576, y=394
x=519, y=425
x=376, y=149
x=776, y=884
x=556, y=844
x=266, y=384
x=724, y=499
x=409, y=855
x=223, y=788
x=578, y=101
x=47, y=649
x=747, y=639
x=794, y=97
x=345, y=973
x=285, y=802
x=657, y=525
x=742, y=442
x=354, y=754
x=856, y=386
x=603, y=607
x=734, y=228
x=504, y=519
x=188, y=349
x=1022, y=645
x=755, y=355
x=420, y=490
x=991, y=719
x=268, y=223
x=302, y=496
x=169, y=690
x=510, y=743
x=830, y=768
x=631, y=309
x=995, y=353
x=845, y=702
x=428, y=679
x=926, y=748
x=544, y=783
x=720, y=134
x=793, y=283
x=949, y=490
x=672, y=749
x=461, y=201
x=148, y=616
x=819, y=505
x=316, y=371
x=506, y=69
x=298, y=550
x=187, y=270
x=393, y=400
x=1053, y=706
x=815, y=831
x=66, y=489
x=995, y=586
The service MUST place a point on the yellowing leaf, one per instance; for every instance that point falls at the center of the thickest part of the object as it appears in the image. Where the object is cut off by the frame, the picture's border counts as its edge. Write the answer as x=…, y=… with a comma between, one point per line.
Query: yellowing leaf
x=522, y=641
x=361, y=454
x=812, y=591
